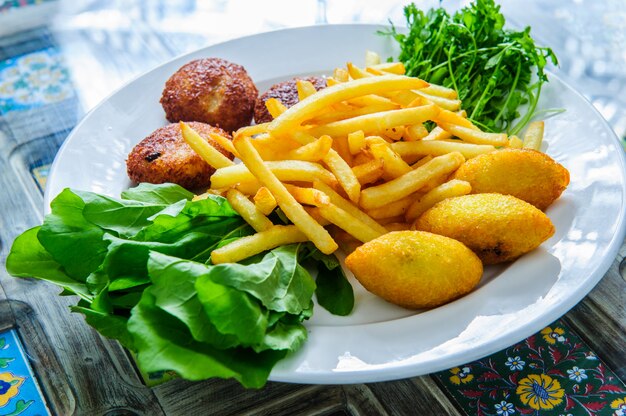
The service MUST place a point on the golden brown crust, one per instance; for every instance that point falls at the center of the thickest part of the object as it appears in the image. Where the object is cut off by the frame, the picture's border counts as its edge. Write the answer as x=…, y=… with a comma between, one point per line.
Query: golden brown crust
x=164, y=156
x=286, y=92
x=210, y=90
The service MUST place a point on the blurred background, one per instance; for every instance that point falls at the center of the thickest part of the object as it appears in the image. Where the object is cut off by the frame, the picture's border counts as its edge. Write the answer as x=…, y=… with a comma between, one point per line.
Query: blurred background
x=79, y=52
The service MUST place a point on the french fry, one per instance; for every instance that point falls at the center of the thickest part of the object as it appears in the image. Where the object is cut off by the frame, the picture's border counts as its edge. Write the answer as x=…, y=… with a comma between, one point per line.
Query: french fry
x=446, y=103
x=394, y=209
x=343, y=172
x=369, y=172
x=393, y=165
x=440, y=91
x=447, y=116
x=373, y=100
x=272, y=148
x=309, y=107
x=440, y=147
x=341, y=75
x=391, y=67
x=312, y=152
x=292, y=209
x=315, y=214
x=334, y=116
x=377, y=121
x=475, y=136
x=394, y=133
x=225, y=142
x=341, y=146
x=252, y=130
x=356, y=141
x=356, y=72
x=515, y=142
x=305, y=89
x=275, y=107
x=352, y=225
x=450, y=189
x=534, y=135
x=415, y=132
x=437, y=134
x=373, y=71
x=208, y=153
x=371, y=58
x=248, y=210
x=264, y=201
x=248, y=246
x=380, y=195
x=422, y=161
x=348, y=206
x=285, y=170
x=308, y=196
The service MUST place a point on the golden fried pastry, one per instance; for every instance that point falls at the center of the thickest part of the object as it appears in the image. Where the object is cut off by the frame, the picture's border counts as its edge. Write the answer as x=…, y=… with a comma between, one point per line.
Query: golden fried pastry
x=415, y=269
x=527, y=174
x=210, y=90
x=164, y=156
x=496, y=227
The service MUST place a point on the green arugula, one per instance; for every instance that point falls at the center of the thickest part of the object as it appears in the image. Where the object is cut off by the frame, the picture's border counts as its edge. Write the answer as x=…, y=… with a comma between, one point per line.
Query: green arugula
x=141, y=267
x=489, y=66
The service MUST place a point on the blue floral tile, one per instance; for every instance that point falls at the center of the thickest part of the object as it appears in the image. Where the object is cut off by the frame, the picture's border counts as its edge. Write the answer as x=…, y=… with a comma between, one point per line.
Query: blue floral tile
x=33, y=80
x=19, y=392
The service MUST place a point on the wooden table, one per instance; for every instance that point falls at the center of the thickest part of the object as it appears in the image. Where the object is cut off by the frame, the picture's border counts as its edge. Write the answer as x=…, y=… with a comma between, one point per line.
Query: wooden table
x=82, y=373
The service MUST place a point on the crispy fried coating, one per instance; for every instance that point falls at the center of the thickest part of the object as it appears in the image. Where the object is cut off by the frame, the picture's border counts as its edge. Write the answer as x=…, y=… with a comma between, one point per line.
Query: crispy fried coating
x=210, y=90
x=527, y=174
x=286, y=92
x=498, y=228
x=164, y=156
x=415, y=269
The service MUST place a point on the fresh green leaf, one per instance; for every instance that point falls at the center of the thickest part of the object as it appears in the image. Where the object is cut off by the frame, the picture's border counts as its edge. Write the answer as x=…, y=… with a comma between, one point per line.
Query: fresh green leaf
x=159, y=194
x=109, y=325
x=333, y=291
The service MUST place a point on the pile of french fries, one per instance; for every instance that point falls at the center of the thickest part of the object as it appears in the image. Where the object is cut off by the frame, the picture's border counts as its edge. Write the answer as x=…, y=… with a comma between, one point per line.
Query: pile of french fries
x=348, y=163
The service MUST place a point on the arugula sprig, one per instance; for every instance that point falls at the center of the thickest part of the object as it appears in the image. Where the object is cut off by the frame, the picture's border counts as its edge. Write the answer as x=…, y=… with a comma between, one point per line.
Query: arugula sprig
x=490, y=67
x=141, y=268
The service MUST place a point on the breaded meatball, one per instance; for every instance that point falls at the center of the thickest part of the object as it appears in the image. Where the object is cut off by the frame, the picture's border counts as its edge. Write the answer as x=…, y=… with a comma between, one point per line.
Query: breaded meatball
x=498, y=228
x=164, y=156
x=527, y=174
x=286, y=92
x=415, y=269
x=210, y=90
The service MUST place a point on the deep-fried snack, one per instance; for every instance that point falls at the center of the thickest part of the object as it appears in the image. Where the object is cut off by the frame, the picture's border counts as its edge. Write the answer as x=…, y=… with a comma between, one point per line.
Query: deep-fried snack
x=527, y=174
x=210, y=90
x=164, y=156
x=286, y=92
x=415, y=269
x=498, y=228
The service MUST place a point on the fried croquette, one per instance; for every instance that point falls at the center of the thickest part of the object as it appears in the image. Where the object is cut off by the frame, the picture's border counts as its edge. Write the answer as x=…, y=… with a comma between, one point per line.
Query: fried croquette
x=527, y=174
x=286, y=92
x=415, y=269
x=498, y=228
x=164, y=156
x=210, y=90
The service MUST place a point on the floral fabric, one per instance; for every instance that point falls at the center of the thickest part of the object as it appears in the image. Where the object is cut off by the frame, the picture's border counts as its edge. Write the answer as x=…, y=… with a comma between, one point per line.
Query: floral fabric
x=550, y=373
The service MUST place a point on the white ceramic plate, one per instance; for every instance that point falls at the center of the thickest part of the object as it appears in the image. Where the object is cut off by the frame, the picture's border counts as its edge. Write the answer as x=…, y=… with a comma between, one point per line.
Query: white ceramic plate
x=380, y=341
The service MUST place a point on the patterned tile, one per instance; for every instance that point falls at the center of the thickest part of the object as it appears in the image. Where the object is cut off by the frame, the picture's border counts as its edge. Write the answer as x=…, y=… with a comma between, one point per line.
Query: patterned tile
x=19, y=392
x=33, y=80
x=550, y=373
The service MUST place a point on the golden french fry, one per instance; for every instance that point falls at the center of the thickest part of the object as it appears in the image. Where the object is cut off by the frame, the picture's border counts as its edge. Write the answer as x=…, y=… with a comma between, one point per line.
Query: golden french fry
x=394, y=209
x=312, y=152
x=447, y=116
x=515, y=142
x=405, y=185
x=450, y=189
x=391, y=67
x=315, y=214
x=475, y=136
x=437, y=134
x=371, y=58
x=248, y=210
x=308, y=196
x=264, y=201
x=356, y=72
x=225, y=142
x=373, y=100
x=415, y=132
x=309, y=107
x=446, y=103
x=341, y=75
x=369, y=172
x=341, y=146
x=208, y=153
x=404, y=97
x=377, y=121
x=352, y=225
x=343, y=173
x=394, y=133
x=335, y=116
x=440, y=147
x=373, y=71
x=275, y=107
x=292, y=209
x=251, y=245
x=305, y=89
x=272, y=148
x=440, y=91
x=422, y=161
x=393, y=165
x=534, y=135
x=356, y=141
x=252, y=130
x=285, y=170
x=348, y=206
